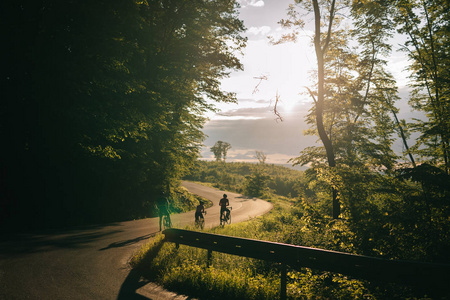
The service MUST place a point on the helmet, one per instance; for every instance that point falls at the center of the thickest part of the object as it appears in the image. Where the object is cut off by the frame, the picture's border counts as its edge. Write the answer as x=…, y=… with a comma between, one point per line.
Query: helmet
x=224, y=195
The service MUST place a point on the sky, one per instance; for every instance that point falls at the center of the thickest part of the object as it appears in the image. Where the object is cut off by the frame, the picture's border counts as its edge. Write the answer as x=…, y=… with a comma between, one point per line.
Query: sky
x=251, y=125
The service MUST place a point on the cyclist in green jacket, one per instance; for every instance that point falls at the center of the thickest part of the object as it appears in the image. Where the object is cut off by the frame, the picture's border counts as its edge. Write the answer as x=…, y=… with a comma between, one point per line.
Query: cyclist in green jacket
x=162, y=205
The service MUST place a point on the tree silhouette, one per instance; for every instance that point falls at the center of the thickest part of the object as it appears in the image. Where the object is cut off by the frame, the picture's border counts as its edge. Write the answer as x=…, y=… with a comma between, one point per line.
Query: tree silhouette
x=220, y=150
x=103, y=102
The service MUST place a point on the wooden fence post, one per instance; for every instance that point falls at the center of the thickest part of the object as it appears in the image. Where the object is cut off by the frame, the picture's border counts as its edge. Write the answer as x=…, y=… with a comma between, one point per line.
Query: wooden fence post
x=208, y=262
x=283, y=282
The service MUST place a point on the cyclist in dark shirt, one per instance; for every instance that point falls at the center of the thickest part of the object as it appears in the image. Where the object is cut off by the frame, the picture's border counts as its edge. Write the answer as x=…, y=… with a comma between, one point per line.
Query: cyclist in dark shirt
x=199, y=211
x=223, y=203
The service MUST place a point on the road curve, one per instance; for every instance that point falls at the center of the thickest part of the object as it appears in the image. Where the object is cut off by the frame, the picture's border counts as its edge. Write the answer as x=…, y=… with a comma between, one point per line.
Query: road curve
x=91, y=262
x=243, y=208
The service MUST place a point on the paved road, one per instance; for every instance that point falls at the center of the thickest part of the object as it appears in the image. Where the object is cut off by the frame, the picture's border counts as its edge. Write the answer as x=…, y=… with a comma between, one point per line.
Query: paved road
x=91, y=263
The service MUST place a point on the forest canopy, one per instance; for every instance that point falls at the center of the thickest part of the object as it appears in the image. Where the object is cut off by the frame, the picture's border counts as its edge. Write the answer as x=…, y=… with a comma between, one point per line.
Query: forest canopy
x=103, y=101
x=354, y=98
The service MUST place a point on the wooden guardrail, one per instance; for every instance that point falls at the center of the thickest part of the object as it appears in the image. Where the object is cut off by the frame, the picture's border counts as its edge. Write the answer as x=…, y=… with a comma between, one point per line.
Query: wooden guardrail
x=428, y=276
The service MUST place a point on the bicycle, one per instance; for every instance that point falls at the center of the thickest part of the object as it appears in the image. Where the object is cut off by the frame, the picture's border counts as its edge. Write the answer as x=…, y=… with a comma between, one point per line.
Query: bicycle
x=225, y=217
x=200, y=222
x=167, y=223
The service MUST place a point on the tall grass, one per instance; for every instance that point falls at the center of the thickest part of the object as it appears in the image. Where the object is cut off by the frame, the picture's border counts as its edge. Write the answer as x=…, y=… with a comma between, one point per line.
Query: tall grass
x=185, y=269
x=381, y=217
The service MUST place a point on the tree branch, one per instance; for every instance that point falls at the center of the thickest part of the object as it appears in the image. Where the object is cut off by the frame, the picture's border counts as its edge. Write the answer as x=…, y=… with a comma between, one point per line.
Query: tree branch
x=312, y=94
x=275, y=110
x=261, y=78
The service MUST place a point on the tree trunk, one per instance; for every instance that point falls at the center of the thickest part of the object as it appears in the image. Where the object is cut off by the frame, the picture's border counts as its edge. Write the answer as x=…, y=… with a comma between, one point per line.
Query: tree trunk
x=321, y=95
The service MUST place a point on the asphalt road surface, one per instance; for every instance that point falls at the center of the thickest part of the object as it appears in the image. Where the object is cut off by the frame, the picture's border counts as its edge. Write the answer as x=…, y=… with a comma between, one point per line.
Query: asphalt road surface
x=92, y=262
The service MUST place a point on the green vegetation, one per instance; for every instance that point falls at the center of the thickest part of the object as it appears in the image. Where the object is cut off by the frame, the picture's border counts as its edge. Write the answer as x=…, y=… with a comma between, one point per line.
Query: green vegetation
x=249, y=179
x=391, y=219
x=185, y=269
x=181, y=200
x=354, y=95
x=220, y=150
x=103, y=103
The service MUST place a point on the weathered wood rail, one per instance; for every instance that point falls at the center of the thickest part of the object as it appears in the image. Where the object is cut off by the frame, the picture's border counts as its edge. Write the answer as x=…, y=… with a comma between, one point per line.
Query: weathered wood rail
x=427, y=276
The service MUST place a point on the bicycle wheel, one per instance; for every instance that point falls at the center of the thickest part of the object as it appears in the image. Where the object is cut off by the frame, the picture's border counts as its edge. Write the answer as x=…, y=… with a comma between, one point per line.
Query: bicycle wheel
x=228, y=218
x=222, y=218
x=199, y=223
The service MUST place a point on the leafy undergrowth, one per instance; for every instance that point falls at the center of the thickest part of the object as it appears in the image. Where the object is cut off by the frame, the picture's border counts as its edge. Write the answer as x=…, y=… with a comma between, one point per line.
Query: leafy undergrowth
x=185, y=269
x=381, y=216
x=181, y=200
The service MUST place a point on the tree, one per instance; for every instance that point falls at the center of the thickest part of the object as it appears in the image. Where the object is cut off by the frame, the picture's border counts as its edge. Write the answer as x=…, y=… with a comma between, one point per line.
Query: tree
x=261, y=157
x=255, y=183
x=352, y=88
x=426, y=25
x=321, y=45
x=111, y=96
x=220, y=150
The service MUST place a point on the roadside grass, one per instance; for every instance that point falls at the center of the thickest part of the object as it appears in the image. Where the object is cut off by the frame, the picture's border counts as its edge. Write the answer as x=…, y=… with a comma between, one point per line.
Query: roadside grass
x=378, y=225
x=185, y=269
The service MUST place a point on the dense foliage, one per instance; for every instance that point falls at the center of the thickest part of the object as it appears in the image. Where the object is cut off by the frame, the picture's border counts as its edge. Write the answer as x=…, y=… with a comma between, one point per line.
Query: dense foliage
x=426, y=25
x=391, y=205
x=401, y=216
x=250, y=179
x=220, y=150
x=382, y=205
x=102, y=102
x=354, y=95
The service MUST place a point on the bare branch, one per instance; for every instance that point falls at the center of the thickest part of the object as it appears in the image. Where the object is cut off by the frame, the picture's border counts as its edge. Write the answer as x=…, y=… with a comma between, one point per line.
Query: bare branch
x=275, y=110
x=261, y=78
x=261, y=156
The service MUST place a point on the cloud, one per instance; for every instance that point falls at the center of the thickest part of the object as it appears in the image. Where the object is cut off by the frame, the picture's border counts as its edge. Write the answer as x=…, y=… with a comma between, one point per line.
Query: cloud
x=261, y=30
x=260, y=112
x=242, y=154
x=286, y=66
x=237, y=117
x=250, y=109
x=260, y=101
x=254, y=3
x=279, y=158
x=250, y=124
x=280, y=141
x=259, y=3
x=244, y=109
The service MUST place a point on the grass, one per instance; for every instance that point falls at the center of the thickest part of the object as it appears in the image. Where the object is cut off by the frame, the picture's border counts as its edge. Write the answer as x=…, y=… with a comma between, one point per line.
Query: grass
x=185, y=269
x=304, y=220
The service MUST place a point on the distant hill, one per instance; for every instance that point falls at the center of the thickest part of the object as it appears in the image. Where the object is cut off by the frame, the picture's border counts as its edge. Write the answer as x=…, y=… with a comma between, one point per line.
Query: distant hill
x=233, y=176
